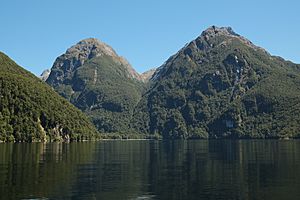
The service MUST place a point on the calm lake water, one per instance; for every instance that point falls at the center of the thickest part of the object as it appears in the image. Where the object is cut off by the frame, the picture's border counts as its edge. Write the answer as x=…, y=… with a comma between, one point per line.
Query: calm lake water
x=113, y=170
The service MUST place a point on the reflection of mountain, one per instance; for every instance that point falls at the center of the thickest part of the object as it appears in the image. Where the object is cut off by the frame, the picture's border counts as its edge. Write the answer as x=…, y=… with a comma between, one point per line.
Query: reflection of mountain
x=40, y=170
x=215, y=169
x=119, y=171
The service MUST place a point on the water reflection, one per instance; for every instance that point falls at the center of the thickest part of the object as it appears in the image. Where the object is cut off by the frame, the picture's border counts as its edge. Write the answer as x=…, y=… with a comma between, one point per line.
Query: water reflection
x=217, y=169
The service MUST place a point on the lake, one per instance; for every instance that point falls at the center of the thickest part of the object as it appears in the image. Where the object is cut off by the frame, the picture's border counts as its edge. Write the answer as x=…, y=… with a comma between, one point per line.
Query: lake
x=113, y=170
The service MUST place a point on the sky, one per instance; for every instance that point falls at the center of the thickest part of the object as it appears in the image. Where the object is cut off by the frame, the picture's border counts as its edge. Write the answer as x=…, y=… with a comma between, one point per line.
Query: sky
x=145, y=32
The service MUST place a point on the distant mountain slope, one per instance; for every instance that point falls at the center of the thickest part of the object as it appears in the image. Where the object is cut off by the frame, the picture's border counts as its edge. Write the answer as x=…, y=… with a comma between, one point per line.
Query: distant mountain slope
x=222, y=85
x=99, y=82
x=31, y=111
x=147, y=75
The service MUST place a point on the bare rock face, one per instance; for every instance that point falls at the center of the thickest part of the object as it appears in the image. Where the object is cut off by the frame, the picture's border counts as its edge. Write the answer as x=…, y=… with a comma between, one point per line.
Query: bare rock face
x=44, y=76
x=215, y=31
x=78, y=54
x=146, y=76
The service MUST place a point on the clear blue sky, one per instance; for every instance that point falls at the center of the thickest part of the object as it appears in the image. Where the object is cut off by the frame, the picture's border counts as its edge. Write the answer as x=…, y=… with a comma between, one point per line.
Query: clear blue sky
x=146, y=32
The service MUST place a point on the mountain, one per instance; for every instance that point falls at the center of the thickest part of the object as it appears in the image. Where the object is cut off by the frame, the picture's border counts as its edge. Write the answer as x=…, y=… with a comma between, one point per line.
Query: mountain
x=31, y=111
x=102, y=84
x=44, y=76
x=146, y=76
x=221, y=85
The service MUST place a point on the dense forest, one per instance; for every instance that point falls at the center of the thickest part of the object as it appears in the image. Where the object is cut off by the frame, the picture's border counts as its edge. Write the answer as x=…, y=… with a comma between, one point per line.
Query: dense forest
x=222, y=86
x=219, y=85
x=31, y=111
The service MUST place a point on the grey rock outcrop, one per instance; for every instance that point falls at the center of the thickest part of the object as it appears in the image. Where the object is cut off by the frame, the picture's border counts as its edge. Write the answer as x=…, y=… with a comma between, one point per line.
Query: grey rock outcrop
x=215, y=31
x=44, y=76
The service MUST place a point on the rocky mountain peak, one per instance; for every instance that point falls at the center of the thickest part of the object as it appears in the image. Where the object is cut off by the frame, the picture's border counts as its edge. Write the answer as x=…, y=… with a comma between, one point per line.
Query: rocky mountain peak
x=215, y=31
x=77, y=55
x=84, y=50
x=212, y=38
x=228, y=33
x=91, y=47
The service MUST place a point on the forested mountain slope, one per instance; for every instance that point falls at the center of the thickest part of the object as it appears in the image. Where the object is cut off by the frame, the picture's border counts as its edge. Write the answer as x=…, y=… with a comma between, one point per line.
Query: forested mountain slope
x=221, y=85
x=31, y=111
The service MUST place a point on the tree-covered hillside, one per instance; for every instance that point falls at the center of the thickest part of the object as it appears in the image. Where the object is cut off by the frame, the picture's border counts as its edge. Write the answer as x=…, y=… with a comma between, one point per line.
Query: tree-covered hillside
x=31, y=111
x=221, y=85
